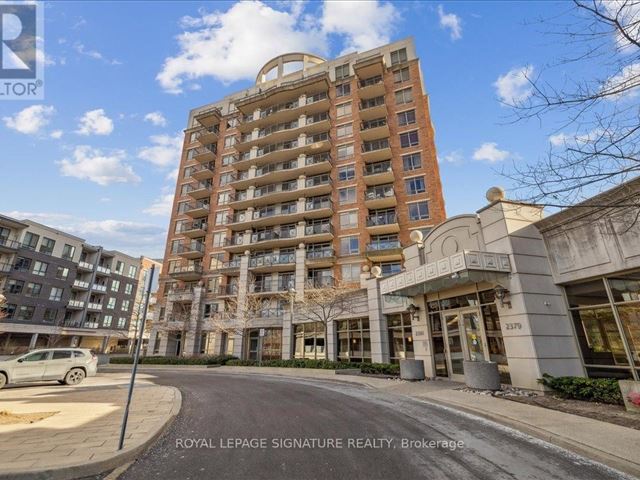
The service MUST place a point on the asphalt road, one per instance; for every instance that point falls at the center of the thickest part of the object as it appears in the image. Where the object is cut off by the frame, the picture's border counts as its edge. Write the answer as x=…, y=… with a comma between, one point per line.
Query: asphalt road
x=367, y=429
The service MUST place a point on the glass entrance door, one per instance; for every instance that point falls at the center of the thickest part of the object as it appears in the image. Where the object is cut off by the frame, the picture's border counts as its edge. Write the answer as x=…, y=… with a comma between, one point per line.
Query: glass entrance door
x=455, y=354
x=473, y=335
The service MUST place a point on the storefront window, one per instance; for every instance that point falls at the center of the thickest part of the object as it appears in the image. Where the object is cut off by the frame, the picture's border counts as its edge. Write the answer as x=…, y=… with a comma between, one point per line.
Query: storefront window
x=400, y=337
x=599, y=337
x=309, y=340
x=626, y=288
x=354, y=340
x=587, y=294
x=495, y=342
x=630, y=319
x=439, y=354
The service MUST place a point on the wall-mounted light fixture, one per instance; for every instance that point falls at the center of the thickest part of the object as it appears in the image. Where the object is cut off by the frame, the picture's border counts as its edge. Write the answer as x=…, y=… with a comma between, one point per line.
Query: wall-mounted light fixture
x=503, y=295
x=413, y=310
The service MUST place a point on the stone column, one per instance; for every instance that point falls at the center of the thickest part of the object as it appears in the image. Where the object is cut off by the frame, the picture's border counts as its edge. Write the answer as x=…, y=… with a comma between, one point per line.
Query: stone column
x=422, y=347
x=301, y=270
x=330, y=341
x=287, y=335
x=105, y=344
x=191, y=340
x=377, y=321
x=33, y=341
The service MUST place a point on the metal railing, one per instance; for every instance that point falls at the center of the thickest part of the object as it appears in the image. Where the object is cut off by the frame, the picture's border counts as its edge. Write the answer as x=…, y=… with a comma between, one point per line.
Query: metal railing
x=378, y=219
x=317, y=158
x=190, y=247
x=320, y=253
x=378, y=122
x=265, y=235
x=320, y=282
x=177, y=269
x=268, y=260
x=375, y=145
x=317, y=180
x=318, y=137
x=377, y=168
x=5, y=242
x=317, y=204
x=318, y=228
x=227, y=289
x=370, y=81
x=379, y=191
x=191, y=226
x=316, y=98
x=289, y=186
x=372, y=102
x=383, y=245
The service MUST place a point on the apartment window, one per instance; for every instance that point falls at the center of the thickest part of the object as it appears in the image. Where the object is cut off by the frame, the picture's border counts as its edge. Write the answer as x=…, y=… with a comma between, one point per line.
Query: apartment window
x=345, y=130
x=128, y=289
x=351, y=272
x=342, y=71
x=415, y=185
x=68, y=251
x=345, y=151
x=232, y=122
x=22, y=264
x=106, y=321
x=14, y=286
x=56, y=294
x=349, y=219
x=409, y=139
x=404, y=96
x=226, y=178
x=347, y=172
x=62, y=273
x=133, y=271
x=40, y=268
x=418, y=211
x=125, y=305
x=224, y=197
x=406, y=118
x=30, y=240
x=229, y=141
x=227, y=160
x=50, y=315
x=111, y=303
x=343, y=109
x=184, y=189
x=10, y=310
x=216, y=261
x=221, y=218
x=122, y=322
x=115, y=285
x=119, y=267
x=4, y=233
x=33, y=289
x=347, y=195
x=390, y=268
x=398, y=56
x=402, y=75
x=343, y=89
x=412, y=161
x=349, y=245
x=218, y=239
x=24, y=312
x=47, y=245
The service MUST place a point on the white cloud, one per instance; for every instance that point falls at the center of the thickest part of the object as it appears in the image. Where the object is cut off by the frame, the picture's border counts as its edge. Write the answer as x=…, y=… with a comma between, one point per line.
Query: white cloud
x=31, y=120
x=489, y=152
x=173, y=174
x=558, y=139
x=156, y=118
x=514, y=86
x=94, y=54
x=95, y=122
x=134, y=238
x=624, y=84
x=165, y=151
x=451, y=22
x=161, y=207
x=57, y=134
x=97, y=166
x=365, y=25
x=452, y=157
x=229, y=45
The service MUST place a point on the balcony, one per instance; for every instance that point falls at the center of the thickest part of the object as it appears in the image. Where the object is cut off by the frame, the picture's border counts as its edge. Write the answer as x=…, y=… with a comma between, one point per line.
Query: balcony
x=271, y=286
x=5, y=268
x=86, y=266
x=382, y=222
x=199, y=190
x=318, y=207
x=180, y=295
x=316, y=103
x=373, y=108
x=265, y=216
x=185, y=273
x=380, y=196
x=268, y=194
x=320, y=282
x=320, y=122
x=80, y=285
x=378, y=173
x=205, y=154
x=101, y=270
x=8, y=246
x=202, y=172
x=234, y=241
x=384, y=250
x=317, y=185
x=273, y=263
x=371, y=87
x=319, y=232
x=317, y=143
x=192, y=229
x=196, y=209
x=93, y=306
x=96, y=287
x=208, y=135
x=374, y=129
x=376, y=150
x=227, y=290
x=230, y=266
x=324, y=257
x=190, y=250
x=271, y=133
x=75, y=304
x=208, y=117
x=277, y=237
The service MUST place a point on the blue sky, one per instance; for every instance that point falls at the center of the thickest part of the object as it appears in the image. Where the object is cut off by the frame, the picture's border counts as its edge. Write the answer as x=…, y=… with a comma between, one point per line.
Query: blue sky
x=96, y=156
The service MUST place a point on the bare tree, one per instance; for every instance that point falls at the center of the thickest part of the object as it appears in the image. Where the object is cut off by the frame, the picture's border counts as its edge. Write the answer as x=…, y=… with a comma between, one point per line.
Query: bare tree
x=237, y=316
x=596, y=114
x=3, y=305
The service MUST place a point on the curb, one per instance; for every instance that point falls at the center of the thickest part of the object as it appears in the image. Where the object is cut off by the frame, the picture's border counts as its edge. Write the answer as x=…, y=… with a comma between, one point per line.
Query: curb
x=587, y=451
x=96, y=468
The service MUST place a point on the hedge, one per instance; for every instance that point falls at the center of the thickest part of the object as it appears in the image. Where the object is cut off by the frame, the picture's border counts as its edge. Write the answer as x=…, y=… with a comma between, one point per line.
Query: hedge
x=369, y=368
x=604, y=390
x=201, y=360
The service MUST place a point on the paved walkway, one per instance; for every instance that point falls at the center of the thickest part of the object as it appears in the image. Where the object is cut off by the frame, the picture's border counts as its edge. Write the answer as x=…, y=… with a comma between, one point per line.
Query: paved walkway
x=82, y=439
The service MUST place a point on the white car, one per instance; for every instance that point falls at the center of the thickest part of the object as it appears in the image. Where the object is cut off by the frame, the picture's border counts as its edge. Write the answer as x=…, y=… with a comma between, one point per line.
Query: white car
x=66, y=365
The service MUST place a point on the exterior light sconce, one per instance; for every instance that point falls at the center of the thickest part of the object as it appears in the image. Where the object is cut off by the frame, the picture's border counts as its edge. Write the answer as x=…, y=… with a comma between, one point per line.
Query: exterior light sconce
x=413, y=310
x=503, y=295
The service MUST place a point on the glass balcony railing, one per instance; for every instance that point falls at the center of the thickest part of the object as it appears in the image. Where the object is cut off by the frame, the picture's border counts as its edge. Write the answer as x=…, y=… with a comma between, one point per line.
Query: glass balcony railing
x=317, y=98
x=320, y=282
x=378, y=219
x=378, y=122
x=276, y=188
x=274, y=211
x=278, y=108
x=276, y=167
x=320, y=253
x=383, y=245
x=191, y=226
x=268, y=260
x=178, y=269
x=372, y=102
x=320, y=137
x=375, y=145
x=190, y=247
x=277, y=147
x=377, y=168
x=318, y=117
x=317, y=181
x=318, y=204
x=281, y=233
x=370, y=81
x=317, y=158
x=380, y=191
x=228, y=289
x=318, y=228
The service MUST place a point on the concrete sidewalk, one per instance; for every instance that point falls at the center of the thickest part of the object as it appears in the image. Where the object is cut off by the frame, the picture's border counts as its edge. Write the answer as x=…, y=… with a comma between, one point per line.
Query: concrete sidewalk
x=82, y=438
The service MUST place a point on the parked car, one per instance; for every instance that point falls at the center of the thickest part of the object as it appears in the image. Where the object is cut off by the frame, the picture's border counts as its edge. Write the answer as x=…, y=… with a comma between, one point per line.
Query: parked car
x=68, y=366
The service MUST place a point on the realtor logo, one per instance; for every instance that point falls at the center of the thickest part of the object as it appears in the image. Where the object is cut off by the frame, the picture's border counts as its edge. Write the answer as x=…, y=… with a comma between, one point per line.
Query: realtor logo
x=21, y=51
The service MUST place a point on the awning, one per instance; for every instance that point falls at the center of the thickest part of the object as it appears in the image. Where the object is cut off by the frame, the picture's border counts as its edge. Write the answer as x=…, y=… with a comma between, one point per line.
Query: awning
x=463, y=268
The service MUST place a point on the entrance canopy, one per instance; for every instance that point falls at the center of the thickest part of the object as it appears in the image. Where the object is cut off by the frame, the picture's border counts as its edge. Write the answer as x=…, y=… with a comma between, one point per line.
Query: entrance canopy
x=461, y=268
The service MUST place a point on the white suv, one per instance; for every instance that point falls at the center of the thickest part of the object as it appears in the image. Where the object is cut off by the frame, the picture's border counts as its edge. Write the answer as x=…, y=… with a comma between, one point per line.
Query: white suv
x=66, y=365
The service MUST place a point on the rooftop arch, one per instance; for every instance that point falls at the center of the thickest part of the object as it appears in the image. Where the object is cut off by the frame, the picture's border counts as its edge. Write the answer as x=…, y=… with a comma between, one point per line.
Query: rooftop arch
x=286, y=64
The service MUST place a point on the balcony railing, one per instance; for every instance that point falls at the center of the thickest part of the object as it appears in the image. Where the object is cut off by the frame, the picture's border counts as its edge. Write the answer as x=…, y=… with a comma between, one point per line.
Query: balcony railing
x=278, y=108
x=5, y=242
x=178, y=269
x=318, y=204
x=204, y=168
x=190, y=206
x=191, y=226
x=320, y=253
x=317, y=180
x=5, y=267
x=372, y=102
x=378, y=122
x=319, y=137
x=377, y=168
x=275, y=167
x=272, y=212
x=103, y=270
x=318, y=117
x=268, y=313
x=320, y=282
x=99, y=288
x=192, y=187
x=269, y=260
x=230, y=265
x=375, y=145
x=371, y=81
x=318, y=228
x=76, y=303
x=234, y=241
x=81, y=284
x=277, y=147
x=269, y=286
x=276, y=188
x=273, y=235
x=383, y=245
x=85, y=265
x=380, y=191
x=94, y=306
x=190, y=247
x=316, y=98
x=227, y=289
x=317, y=158
x=378, y=219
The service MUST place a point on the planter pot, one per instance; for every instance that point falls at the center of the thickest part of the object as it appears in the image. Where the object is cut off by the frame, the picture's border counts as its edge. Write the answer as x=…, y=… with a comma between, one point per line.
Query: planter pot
x=103, y=359
x=411, y=370
x=481, y=375
x=630, y=389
